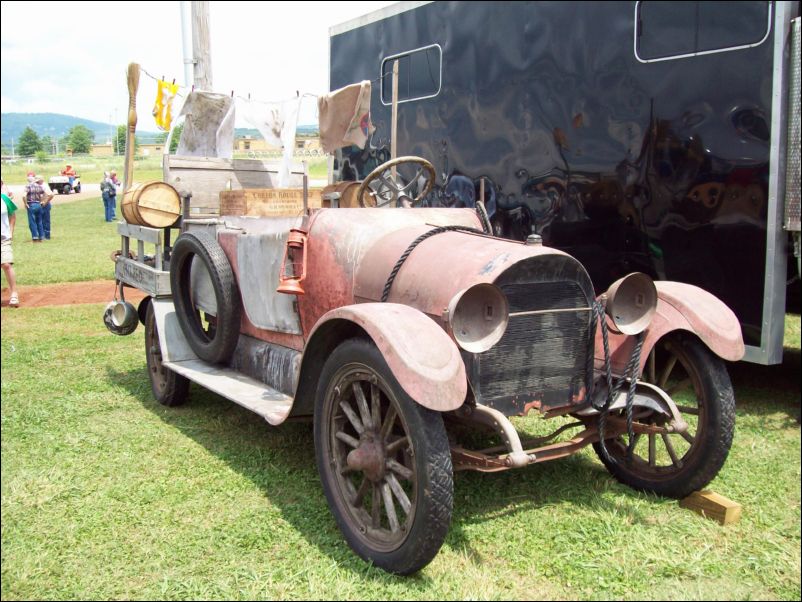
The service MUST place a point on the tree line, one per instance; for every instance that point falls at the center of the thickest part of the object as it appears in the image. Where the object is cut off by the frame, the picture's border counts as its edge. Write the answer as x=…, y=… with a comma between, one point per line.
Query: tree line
x=79, y=140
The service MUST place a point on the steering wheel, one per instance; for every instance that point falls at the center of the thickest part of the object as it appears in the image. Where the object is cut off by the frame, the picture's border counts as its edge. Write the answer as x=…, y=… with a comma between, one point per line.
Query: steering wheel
x=387, y=190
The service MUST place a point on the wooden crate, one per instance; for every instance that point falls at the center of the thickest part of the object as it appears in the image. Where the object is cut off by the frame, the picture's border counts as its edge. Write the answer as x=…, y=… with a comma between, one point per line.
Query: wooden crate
x=267, y=202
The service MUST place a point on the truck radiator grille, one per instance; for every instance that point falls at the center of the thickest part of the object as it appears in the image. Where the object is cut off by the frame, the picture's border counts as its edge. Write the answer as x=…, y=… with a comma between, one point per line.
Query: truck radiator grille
x=541, y=359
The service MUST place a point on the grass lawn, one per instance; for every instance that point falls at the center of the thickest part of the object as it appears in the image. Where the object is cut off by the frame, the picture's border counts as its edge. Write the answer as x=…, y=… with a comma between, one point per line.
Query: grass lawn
x=90, y=169
x=108, y=495
x=79, y=250
x=145, y=168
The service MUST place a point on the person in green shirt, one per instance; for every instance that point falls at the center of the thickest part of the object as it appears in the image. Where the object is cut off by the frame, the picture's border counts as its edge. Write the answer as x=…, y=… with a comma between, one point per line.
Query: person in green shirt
x=8, y=220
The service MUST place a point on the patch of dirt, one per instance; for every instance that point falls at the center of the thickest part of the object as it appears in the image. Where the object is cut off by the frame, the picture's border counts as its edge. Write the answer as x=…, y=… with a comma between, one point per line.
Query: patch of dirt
x=71, y=293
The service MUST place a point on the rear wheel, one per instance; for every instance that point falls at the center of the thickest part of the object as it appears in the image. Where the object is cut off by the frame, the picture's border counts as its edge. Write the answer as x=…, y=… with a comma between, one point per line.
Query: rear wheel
x=675, y=464
x=169, y=388
x=384, y=461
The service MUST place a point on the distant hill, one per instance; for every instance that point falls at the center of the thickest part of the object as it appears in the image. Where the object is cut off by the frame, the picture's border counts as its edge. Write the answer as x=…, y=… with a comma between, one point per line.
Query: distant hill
x=56, y=125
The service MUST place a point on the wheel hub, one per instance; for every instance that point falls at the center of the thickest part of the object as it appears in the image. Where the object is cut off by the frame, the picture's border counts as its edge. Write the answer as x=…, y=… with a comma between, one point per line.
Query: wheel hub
x=369, y=458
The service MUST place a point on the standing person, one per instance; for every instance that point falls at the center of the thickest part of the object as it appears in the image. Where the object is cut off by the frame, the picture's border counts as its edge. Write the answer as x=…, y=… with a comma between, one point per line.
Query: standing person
x=47, y=205
x=106, y=186
x=113, y=192
x=8, y=220
x=33, y=198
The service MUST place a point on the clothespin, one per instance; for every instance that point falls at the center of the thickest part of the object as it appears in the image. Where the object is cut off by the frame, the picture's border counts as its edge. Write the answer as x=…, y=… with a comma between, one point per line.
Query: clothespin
x=232, y=93
x=173, y=81
x=249, y=95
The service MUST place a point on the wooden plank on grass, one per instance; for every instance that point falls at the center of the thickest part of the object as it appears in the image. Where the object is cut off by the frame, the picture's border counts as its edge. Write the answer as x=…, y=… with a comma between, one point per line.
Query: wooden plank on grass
x=712, y=505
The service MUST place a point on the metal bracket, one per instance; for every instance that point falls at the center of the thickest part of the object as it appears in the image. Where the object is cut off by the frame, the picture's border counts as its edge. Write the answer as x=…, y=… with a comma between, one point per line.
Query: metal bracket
x=491, y=417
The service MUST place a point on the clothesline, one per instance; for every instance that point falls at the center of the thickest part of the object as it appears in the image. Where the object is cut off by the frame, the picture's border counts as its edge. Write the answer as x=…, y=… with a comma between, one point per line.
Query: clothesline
x=298, y=95
x=276, y=120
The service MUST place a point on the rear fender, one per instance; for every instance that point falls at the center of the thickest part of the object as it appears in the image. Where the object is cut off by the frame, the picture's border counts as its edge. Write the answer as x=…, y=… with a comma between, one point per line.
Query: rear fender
x=142, y=309
x=685, y=307
x=421, y=356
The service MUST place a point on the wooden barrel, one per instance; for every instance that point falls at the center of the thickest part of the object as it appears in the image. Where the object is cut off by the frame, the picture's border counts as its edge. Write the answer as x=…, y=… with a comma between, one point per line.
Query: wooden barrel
x=154, y=203
x=347, y=192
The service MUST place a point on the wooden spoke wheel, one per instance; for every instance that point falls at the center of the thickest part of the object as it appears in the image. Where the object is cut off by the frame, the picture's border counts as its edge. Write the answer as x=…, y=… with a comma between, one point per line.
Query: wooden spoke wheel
x=677, y=461
x=169, y=388
x=384, y=461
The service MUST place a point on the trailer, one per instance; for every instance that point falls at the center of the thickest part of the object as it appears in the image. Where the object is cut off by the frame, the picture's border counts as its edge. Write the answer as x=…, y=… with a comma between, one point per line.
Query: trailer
x=661, y=137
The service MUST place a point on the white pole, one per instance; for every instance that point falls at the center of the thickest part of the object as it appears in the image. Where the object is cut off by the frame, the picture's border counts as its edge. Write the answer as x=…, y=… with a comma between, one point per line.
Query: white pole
x=186, y=39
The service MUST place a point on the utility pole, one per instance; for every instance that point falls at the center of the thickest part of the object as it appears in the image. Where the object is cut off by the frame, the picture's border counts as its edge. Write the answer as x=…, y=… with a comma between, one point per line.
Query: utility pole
x=201, y=46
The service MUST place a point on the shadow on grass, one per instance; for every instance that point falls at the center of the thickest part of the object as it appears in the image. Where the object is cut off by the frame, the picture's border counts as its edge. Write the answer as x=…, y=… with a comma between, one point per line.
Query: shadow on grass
x=763, y=390
x=281, y=462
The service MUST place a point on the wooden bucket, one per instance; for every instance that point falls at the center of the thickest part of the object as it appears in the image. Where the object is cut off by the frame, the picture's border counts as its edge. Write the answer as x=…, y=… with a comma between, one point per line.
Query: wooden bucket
x=347, y=192
x=154, y=203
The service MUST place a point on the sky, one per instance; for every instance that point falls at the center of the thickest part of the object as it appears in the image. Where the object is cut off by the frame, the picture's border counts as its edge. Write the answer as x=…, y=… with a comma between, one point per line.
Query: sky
x=72, y=58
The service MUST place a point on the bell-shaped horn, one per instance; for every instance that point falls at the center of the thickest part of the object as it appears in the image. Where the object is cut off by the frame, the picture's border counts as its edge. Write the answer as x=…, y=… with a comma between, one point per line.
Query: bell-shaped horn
x=631, y=303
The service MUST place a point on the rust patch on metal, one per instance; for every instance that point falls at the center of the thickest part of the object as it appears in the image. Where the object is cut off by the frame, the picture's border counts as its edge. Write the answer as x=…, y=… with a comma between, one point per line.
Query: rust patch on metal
x=532, y=405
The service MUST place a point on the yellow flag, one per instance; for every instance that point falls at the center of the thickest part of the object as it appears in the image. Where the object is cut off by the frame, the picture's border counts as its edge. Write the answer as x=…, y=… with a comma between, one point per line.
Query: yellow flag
x=163, y=109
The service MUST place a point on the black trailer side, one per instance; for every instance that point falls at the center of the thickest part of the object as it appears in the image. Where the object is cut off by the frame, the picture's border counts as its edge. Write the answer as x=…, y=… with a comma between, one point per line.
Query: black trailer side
x=637, y=136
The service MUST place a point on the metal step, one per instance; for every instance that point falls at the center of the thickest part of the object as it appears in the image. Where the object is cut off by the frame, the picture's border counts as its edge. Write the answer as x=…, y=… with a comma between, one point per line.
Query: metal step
x=274, y=406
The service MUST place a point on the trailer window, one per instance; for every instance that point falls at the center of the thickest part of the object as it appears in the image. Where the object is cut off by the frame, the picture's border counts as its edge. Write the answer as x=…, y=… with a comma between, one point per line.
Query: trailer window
x=419, y=74
x=670, y=30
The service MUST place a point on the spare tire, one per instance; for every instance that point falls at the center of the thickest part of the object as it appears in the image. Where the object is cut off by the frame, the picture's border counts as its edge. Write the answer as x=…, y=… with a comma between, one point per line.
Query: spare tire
x=212, y=338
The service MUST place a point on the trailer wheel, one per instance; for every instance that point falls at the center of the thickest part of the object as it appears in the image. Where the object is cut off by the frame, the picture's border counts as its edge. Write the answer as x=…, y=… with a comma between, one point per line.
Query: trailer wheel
x=384, y=461
x=212, y=338
x=677, y=464
x=169, y=388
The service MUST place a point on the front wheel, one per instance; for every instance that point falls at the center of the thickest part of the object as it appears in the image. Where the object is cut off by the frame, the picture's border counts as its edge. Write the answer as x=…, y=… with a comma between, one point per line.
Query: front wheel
x=675, y=464
x=384, y=461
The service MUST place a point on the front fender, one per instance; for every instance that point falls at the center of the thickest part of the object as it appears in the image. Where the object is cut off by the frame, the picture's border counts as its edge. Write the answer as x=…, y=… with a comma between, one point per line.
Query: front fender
x=680, y=306
x=421, y=356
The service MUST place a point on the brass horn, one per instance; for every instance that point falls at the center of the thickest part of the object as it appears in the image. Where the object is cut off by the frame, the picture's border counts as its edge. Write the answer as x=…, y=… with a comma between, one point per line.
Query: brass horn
x=631, y=303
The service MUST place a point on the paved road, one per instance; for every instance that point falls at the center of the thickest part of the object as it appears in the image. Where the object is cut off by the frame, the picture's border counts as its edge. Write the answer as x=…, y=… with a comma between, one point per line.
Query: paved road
x=88, y=191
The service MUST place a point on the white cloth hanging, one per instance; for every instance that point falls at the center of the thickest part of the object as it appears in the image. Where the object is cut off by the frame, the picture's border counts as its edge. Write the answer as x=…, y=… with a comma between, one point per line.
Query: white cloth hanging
x=208, y=126
x=277, y=122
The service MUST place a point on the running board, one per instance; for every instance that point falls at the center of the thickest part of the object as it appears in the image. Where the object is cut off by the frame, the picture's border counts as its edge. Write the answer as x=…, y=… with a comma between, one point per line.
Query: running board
x=274, y=406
